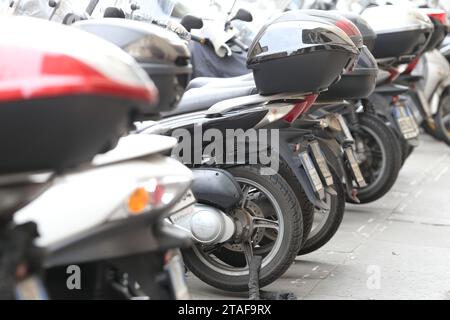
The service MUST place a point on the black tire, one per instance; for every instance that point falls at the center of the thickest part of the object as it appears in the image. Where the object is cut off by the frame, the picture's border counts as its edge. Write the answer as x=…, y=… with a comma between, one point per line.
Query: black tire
x=306, y=206
x=407, y=150
x=443, y=132
x=290, y=243
x=334, y=219
x=405, y=147
x=374, y=128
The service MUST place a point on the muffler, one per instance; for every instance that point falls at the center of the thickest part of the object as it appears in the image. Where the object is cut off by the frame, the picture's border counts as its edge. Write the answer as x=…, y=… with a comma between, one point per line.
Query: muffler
x=205, y=224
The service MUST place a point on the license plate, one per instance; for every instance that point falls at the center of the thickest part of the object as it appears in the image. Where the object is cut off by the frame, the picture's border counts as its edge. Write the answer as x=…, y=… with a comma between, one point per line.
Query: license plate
x=175, y=268
x=31, y=288
x=357, y=175
x=321, y=163
x=344, y=127
x=311, y=172
x=406, y=122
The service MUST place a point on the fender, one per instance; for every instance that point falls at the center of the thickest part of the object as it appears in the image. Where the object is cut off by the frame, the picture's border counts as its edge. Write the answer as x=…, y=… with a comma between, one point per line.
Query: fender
x=286, y=154
x=418, y=100
x=296, y=166
x=333, y=154
x=293, y=161
x=216, y=187
x=381, y=102
x=441, y=91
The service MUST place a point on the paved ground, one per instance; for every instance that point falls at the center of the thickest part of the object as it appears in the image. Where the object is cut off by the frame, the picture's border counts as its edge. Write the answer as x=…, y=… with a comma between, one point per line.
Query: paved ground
x=395, y=248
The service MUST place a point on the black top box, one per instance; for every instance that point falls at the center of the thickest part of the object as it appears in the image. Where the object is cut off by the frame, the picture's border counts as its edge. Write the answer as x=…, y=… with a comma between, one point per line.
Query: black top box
x=299, y=53
x=402, y=32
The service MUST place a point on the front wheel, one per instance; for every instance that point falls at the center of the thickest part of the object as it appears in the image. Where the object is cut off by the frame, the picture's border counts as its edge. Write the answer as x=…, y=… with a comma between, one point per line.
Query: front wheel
x=270, y=218
x=379, y=156
x=442, y=120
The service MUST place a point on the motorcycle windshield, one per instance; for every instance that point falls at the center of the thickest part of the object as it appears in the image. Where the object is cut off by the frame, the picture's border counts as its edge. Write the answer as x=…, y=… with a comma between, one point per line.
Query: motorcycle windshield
x=41, y=8
x=160, y=10
x=206, y=8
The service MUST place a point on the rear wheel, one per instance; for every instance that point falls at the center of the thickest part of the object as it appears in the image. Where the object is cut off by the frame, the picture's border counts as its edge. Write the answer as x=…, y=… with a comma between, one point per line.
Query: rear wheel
x=379, y=155
x=442, y=119
x=274, y=231
x=306, y=206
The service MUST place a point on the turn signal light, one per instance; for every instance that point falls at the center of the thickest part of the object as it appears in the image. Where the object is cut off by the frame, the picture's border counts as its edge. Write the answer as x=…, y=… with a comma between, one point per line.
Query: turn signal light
x=138, y=201
x=143, y=198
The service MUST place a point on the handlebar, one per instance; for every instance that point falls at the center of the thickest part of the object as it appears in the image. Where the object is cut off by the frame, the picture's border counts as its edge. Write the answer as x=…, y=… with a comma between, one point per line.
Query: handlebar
x=198, y=39
x=240, y=44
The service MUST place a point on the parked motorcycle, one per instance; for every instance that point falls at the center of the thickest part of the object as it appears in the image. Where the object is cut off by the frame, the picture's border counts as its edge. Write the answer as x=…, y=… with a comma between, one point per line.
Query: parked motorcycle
x=326, y=220
x=427, y=76
x=259, y=214
x=68, y=228
x=384, y=149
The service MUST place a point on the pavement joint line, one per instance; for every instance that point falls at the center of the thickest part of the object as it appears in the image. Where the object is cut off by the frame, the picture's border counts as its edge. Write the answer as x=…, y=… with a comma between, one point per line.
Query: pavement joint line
x=386, y=217
x=424, y=176
x=440, y=174
x=319, y=281
x=361, y=228
x=411, y=245
x=418, y=193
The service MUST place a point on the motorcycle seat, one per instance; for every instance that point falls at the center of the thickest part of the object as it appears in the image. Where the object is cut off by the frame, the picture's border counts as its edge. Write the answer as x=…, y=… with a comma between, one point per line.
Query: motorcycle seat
x=199, y=99
x=219, y=82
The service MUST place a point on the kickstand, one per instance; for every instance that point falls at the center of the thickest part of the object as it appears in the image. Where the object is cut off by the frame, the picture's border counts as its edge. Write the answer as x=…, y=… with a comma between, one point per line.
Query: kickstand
x=253, y=284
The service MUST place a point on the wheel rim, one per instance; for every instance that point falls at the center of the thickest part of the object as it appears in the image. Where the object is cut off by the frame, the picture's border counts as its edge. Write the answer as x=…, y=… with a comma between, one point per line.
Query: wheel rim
x=374, y=166
x=320, y=218
x=216, y=264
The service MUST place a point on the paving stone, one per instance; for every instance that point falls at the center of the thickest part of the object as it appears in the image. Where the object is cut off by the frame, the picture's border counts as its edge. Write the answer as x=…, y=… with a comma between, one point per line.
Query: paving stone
x=403, y=237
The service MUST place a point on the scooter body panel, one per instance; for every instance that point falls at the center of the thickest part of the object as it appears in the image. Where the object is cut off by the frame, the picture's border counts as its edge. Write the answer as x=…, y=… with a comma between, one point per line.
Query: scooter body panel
x=215, y=187
x=435, y=70
x=91, y=197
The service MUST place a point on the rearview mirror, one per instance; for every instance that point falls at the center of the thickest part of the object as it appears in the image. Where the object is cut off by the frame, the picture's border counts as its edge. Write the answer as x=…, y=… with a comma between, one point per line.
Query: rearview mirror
x=190, y=22
x=71, y=18
x=52, y=3
x=113, y=12
x=243, y=15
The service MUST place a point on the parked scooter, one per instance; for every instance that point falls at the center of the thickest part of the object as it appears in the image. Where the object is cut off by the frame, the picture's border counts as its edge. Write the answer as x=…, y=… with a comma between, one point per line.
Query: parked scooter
x=68, y=229
x=428, y=78
x=281, y=212
x=397, y=43
x=306, y=144
x=325, y=221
